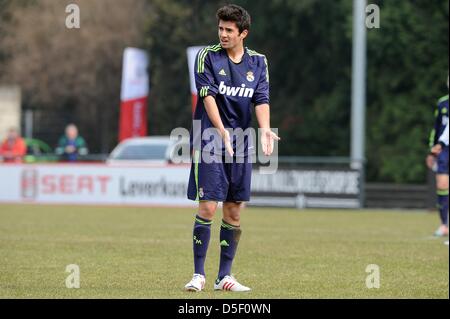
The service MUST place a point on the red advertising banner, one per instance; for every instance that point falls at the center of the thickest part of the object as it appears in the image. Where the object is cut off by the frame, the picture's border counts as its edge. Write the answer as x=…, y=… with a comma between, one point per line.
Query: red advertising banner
x=133, y=118
x=134, y=94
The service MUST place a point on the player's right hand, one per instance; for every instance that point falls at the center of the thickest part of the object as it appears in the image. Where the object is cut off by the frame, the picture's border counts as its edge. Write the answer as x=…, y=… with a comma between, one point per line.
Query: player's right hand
x=227, y=141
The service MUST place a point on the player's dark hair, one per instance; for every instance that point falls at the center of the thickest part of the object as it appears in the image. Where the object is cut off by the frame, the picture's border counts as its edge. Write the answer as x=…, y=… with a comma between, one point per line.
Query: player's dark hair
x=236, y=14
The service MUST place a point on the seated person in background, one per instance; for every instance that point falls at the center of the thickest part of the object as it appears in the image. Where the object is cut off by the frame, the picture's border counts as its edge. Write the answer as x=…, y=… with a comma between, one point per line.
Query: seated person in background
x=71, y=145
x=13, y=147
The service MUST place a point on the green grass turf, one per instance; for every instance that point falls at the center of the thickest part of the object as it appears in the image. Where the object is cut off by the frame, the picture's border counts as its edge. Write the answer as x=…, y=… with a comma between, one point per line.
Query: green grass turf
x=283, y=253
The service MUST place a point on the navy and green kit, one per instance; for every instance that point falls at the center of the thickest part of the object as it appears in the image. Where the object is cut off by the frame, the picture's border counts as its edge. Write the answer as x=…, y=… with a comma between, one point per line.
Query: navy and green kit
x=236, y=87
x=441, y=120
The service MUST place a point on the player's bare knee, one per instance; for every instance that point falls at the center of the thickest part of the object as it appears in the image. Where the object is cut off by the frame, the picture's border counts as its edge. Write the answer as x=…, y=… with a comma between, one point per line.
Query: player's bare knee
x=232, y=213
x=442, y=182
x=230, y=210
x=233, y=218
x=207, y=210
x=206, y=214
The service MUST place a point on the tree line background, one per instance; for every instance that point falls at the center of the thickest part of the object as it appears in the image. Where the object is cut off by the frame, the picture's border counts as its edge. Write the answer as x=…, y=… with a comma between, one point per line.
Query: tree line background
x=75, y=75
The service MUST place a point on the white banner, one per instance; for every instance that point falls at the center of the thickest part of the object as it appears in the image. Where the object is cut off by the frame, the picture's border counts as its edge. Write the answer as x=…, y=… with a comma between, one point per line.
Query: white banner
x=310, y=181
x=135, y=80
x=191, y=54
x=166, y=185
x=95, y=184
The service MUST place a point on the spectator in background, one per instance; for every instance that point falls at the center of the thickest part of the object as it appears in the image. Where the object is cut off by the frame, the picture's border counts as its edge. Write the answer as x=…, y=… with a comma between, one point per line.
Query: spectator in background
x=13, y=148
x=71, y=145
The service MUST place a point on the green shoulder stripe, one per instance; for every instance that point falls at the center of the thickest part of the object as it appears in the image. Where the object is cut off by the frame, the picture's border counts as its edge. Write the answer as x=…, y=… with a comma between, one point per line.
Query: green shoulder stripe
x=442, y=99
x=254, y=53
x=202, y=56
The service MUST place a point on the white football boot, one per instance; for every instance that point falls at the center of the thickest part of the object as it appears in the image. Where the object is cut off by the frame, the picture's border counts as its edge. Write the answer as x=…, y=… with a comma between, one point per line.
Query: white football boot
x=197, y=283
x=229, y=283
x=442, y=231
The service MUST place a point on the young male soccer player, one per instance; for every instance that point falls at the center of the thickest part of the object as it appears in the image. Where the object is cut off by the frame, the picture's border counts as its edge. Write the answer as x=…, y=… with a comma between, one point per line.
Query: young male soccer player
x=437, y=150
x=441, y=159
x=229, y=79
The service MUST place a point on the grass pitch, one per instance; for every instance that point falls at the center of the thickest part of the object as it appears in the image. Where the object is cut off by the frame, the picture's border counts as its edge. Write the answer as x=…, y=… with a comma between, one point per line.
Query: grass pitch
x=283, y=253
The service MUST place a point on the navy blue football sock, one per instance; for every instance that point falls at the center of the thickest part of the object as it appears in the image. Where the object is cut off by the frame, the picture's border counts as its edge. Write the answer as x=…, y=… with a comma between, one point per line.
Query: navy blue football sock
x=443, y=205
x=229, y=239
x=202, y=234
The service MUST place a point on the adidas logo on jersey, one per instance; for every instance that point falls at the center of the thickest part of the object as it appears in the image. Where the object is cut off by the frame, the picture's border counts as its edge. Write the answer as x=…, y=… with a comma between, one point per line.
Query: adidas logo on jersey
x=235, y=91
x=222, y=72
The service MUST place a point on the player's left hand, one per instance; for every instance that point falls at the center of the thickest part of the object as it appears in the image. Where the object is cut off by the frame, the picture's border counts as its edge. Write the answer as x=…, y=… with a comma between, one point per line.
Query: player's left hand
x=267, y=141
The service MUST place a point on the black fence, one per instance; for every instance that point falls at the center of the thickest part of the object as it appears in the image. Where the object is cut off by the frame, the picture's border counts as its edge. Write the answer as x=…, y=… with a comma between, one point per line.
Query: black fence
x=401, y=196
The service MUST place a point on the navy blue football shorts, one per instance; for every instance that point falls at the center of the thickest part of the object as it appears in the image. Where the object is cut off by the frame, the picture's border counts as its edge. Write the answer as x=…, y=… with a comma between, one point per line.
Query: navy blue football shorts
x=220, y=181
x=442, y=162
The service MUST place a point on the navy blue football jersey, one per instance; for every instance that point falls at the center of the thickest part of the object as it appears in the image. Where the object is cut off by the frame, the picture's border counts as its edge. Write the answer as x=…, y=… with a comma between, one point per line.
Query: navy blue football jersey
x=441, y=120
x=236, y=87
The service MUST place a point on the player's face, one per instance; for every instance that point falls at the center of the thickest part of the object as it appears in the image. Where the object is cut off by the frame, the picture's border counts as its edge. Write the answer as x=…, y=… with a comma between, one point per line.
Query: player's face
x=229, y=35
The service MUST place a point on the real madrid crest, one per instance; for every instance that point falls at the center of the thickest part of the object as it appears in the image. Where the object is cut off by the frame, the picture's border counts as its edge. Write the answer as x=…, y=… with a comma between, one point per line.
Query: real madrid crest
x=200, y=192
x=250, y=76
